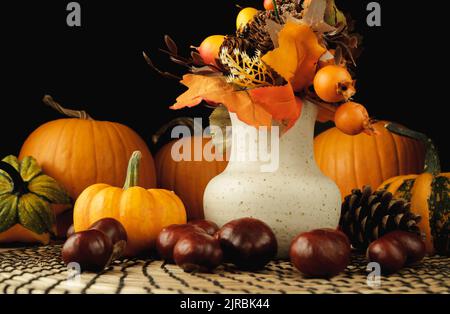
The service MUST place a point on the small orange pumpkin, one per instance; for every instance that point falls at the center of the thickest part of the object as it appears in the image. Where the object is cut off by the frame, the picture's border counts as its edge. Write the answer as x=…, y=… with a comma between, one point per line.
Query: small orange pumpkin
x=79, y=152
x=143, y=213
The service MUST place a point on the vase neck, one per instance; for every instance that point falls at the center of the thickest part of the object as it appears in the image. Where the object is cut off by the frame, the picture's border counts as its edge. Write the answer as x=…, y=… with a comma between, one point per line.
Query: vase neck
x=252, y=148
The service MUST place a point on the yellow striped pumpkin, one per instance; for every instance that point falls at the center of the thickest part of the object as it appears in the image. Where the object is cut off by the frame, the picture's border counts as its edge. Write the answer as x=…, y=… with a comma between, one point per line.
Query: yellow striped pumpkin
x=429, y=194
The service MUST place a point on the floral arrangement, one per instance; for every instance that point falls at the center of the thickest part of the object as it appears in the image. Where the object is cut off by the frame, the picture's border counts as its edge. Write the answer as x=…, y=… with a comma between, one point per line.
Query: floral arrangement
x=290, y=51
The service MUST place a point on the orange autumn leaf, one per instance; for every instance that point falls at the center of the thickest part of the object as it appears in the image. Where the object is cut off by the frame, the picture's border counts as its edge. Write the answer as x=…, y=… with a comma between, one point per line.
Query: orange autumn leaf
x=280, y=102
x=256, y=107
x=215, y=89
x=297, y=56
x=246, y=110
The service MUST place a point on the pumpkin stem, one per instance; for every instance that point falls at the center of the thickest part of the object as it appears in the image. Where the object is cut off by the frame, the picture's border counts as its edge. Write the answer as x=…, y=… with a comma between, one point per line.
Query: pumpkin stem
x=189, y=122
x=19, y=186
x=133, y=170
x=432, y=161
x=80, y=114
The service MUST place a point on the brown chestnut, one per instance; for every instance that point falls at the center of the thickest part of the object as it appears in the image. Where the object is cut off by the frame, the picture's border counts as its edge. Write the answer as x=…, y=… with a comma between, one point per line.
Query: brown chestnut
x=169, y=236
x=412, y=243
x=320, y=253
x=115, y=231
x=70, y=232
x=210, y=227
x=64, y=220
x=248, y=243
x=92, y=249
x=196, y=251
x=389, y=253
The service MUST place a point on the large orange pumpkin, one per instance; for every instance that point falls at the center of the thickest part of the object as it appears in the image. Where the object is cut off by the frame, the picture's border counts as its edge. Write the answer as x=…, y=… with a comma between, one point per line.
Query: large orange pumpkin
x=80, y=151
x=355, y=161
x=187, y=178
x=143, y=213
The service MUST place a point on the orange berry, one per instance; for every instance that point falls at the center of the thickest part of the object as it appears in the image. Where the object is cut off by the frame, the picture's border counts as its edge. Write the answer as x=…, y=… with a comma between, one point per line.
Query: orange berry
x=333, y=84
x=209, y=49
x=268, y=5
x=245, y=16
x=352, y=118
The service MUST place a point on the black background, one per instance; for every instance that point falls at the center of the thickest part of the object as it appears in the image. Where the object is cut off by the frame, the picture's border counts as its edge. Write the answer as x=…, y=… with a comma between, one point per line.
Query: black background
x=121, y=303
x=99, y=67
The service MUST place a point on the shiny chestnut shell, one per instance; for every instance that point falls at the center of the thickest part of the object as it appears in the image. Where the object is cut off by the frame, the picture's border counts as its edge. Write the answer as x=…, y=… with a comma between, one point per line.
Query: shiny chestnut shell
x=115, y=231
x=210, y=227
x=248, y=243
x=412, y=243
x=389, y=253
x=169, y=236
x=320, y=253
x=70, y=232
x=92, y=249
x=199, y=252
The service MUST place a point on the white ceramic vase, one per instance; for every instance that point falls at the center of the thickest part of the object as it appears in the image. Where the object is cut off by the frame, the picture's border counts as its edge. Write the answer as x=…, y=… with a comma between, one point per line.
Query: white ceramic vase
x=294, y=198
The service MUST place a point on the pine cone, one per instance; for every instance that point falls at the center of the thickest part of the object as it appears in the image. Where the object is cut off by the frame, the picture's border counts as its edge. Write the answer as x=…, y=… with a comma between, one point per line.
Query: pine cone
x=367, y=216
x=232, y=42
x=255, y=31
x=291, y=3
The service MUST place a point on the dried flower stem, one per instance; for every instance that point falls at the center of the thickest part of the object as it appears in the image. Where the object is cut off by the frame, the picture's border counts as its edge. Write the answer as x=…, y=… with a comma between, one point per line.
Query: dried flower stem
x=165, y=74
x=246, y=72
x=275, y=8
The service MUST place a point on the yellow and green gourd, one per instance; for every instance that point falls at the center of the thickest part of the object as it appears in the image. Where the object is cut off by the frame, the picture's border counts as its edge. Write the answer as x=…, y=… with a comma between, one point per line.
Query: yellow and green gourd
x=26, y=195
x=429, y=194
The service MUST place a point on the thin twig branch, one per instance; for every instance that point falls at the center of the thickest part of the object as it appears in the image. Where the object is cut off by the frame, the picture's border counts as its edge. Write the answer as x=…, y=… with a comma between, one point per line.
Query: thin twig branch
x=165, y=74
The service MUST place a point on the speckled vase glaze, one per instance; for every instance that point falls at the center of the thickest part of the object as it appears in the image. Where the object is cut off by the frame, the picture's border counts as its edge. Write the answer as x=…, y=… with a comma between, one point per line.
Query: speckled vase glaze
x=295, y=198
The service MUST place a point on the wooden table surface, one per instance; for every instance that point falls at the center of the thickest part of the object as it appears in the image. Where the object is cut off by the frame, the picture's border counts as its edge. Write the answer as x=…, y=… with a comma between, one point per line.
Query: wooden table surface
x=40, y=270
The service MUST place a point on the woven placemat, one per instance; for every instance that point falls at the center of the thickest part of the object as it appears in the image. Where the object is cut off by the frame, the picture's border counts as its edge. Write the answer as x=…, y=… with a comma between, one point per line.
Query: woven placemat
x=40, y=270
